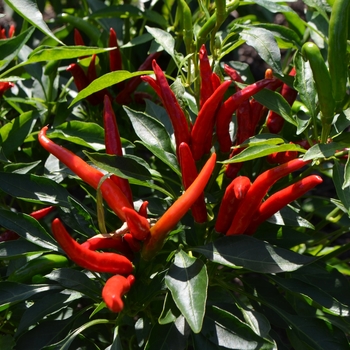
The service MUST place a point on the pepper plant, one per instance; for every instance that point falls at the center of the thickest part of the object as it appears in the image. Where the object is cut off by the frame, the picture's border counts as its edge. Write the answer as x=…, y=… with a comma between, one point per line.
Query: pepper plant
x=160, y=192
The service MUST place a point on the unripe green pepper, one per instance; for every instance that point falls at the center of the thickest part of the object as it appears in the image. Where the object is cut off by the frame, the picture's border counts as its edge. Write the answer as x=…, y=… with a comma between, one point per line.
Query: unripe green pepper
x=322, y=80
x=39, y=266
x=337, y=48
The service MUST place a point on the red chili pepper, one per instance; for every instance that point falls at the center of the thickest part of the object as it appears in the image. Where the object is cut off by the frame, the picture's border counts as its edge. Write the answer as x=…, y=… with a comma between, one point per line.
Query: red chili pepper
x=274, y=121
x=281, y=157
x=110, y=191
x=116, y=243
x=115, y=57
x=114, y=145
x=153, y=83
x=91, y=72
x=189, y=174
x=78, y=39
x=88, y=259
x=8, y=236
x=234, y=194
x=280, y=199
x=143, y=209
x=224, y=114
x=256, y=193
x=215, y=81
x=174, y=214
x=176, y=114
x=114, y=289
x=138, y=225
x=124, y=96
x=11, y=31
x=81, y=81
x=206, y=88
x=201, y=133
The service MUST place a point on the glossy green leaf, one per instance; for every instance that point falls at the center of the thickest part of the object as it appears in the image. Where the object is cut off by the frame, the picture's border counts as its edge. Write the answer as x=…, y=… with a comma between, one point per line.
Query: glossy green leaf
x=154, y=136
x=252, y=254
x=13, y=249
x=28, y=9
x=228, y=331
x=106, y=81
x=323, y=150
x=265, y=44
x=53, y=53
x=338, y=180
x=170, y=336
x=12, y=292
x=34, y=188
x=347, y=173
x=187, y=281
x=28, y=228
x=276, y=102
x=274, y=6
x=81, y=133
x=13, y=134
x=164, y=39
x=10, y=48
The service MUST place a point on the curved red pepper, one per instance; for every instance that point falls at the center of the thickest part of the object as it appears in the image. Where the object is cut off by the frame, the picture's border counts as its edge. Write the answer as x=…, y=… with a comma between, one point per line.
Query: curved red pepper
x=110, y=191
x=115, y=57
x=257, y=192
x=202, y=131
x=174, y=214
x=114, y=289
x=114, y=146
x=280, y=199
x=206, y=88
x=189, y=174
x=234, y=194
x=138, y=225
x=88, y=259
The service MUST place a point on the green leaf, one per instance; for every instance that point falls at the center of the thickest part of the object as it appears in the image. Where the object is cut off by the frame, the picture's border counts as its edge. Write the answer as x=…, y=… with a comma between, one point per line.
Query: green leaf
x=7, y=342
x=13, y=134
x=274, y=6
x=28, y=9
x=170, y=336
x=13, y=249
x=252, y=254
x=10, y=48
x=153, y=136
x=81, y=133
x=304, y=84
x=164, y=39
x=106, y=81
x=34, y=188
x=323, y=150
x=12, y=292
x=187, y=281
x=254, y=152
x=28, y=228
x=338, y=180
x=228, y=331
x=347, y=173
x=276, y=102
x=53, y=53
x=76, y=280
x=265, y=44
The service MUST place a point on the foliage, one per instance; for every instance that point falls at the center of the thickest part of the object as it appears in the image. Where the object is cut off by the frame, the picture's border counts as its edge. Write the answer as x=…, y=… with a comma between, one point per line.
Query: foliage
x=286, y=287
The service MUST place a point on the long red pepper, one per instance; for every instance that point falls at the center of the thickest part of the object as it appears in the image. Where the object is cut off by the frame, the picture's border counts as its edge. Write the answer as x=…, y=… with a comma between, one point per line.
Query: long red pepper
x=226, y=110
x=110, y=191
x=88, y=259
x=174, y=214
x=176, y=114
x=206, y=88
x=115, y=57
x=202, y=131
x=280, y=199
x=113, y=145
x=5, y=85
x=78, y=39
x=114, y=289
x=274, y=121
x=234, y=194
x=257, y=192
x=124, y=96
x=189, y=174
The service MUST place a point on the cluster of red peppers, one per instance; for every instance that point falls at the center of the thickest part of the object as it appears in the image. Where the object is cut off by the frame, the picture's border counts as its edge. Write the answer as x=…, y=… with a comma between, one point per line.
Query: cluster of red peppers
x=242, y=207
